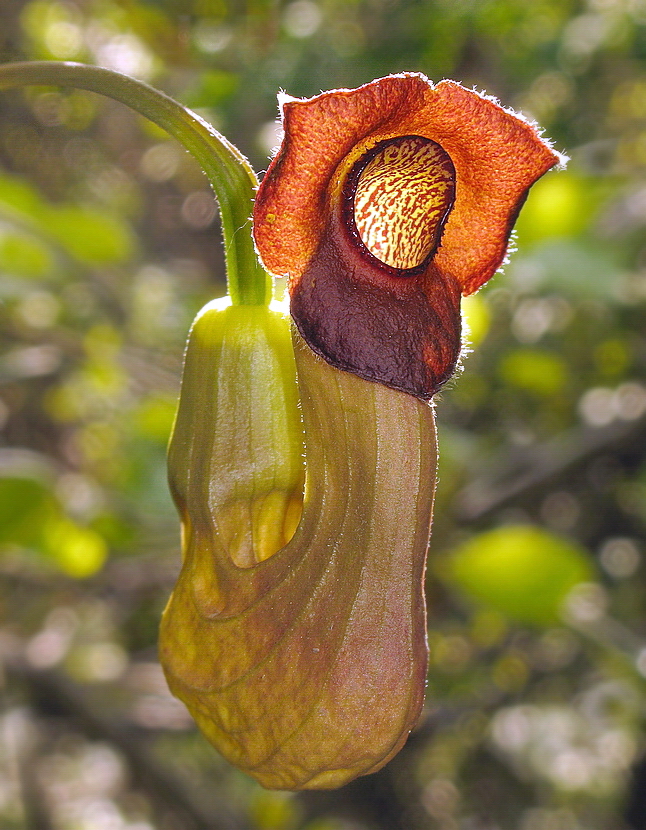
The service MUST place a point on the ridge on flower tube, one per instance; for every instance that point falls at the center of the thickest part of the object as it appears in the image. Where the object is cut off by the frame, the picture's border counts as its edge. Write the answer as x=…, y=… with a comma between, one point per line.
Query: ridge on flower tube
x=383, y=206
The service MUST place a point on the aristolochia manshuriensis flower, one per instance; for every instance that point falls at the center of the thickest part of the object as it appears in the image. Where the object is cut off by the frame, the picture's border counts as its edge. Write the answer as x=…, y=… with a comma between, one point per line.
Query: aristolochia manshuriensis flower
x=296, y=633
x=383, y=206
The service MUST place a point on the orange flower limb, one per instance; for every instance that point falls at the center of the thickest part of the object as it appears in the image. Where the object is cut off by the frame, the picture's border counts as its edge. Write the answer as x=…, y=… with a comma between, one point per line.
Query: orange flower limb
x=383, y=206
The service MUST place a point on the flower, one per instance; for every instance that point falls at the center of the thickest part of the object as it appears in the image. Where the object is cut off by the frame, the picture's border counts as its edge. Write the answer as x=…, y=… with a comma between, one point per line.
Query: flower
x=296, y=633
x=383, y=206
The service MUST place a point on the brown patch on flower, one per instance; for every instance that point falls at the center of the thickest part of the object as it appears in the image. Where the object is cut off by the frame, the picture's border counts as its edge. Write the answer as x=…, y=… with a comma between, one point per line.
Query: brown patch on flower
x=384, y=205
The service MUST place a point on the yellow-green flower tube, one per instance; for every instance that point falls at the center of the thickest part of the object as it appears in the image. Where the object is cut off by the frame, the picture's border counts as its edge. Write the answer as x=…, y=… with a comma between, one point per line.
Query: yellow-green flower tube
x=308, y=668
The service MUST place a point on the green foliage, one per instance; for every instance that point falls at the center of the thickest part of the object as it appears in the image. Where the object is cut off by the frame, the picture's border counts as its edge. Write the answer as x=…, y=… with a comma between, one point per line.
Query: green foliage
x=32, y=520
x=523, y=572
x=90, y=235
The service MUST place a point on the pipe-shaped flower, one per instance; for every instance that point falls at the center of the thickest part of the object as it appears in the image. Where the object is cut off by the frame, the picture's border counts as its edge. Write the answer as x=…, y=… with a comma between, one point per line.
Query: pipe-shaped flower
x=296, y=632
x=383, y=206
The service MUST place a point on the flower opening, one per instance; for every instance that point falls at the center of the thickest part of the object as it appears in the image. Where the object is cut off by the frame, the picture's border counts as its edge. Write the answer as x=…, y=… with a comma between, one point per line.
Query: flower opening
x=400, y=194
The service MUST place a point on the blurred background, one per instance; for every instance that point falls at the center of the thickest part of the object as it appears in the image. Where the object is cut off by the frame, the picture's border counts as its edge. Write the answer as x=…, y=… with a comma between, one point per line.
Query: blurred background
x=109, y=244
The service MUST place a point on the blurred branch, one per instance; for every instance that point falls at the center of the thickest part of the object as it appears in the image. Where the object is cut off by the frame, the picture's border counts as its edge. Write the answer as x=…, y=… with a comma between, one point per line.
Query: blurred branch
x=517, y=473
x=34, y=803
x=50, y=691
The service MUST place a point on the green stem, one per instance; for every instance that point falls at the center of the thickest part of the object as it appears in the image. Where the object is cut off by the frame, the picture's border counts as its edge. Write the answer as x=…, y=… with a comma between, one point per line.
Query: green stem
x=229, y=172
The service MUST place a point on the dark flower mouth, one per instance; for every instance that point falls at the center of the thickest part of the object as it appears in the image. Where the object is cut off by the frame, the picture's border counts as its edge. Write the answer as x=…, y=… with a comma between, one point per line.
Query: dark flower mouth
x=397, y=198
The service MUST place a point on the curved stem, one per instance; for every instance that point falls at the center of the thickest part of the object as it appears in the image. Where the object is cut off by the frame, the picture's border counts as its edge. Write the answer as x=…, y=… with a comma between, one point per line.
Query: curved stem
x=229, y=172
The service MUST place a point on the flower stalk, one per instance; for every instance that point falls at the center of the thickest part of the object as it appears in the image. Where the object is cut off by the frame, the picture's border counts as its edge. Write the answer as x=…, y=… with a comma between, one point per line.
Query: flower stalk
x=227, y=170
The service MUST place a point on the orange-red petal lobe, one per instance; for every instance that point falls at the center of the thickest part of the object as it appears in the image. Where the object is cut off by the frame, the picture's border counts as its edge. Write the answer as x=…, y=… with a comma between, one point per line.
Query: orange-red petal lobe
x=498, y=156
x=398, y=326
x=319, y=133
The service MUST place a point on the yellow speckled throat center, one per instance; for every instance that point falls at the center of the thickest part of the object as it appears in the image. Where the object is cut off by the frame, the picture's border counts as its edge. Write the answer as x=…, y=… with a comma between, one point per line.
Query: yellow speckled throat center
x=402, y=191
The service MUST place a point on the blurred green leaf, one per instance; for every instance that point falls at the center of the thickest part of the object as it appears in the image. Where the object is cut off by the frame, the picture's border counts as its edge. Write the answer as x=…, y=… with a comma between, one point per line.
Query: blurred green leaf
x=31, y=518
x=212, y=89
x=537, y=371
x=562, y=204
x=24, y=255
x=568, y=266
x=524, y=572
x=475, y=318
x=89, y=235
x=78, y=551
x=154, y=417
x=25, y=505
x=20, y=195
